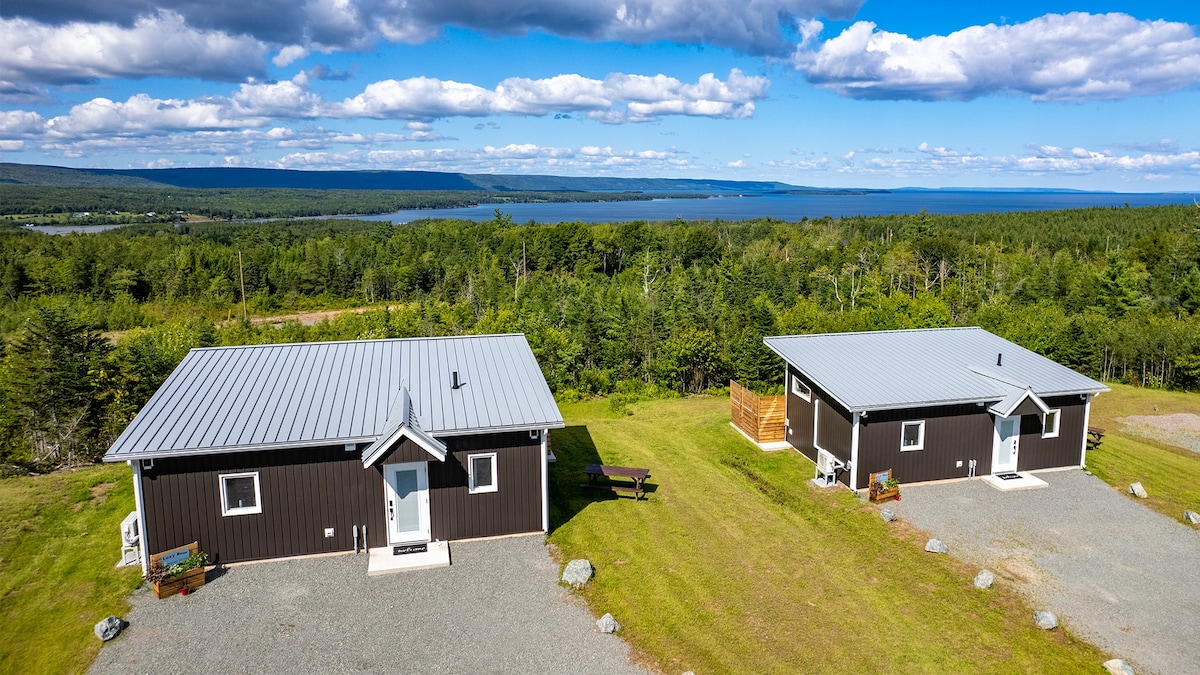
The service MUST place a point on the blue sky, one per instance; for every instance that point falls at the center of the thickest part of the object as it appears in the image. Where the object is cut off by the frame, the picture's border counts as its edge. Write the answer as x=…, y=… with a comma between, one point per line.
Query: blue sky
x=881, y=93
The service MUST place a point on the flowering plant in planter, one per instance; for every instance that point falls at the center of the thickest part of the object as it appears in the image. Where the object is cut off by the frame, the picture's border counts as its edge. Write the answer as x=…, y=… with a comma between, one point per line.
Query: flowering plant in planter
x=178, y=578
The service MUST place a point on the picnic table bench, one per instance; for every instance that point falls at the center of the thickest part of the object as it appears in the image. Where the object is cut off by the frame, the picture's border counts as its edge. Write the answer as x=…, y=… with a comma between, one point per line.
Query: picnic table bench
x=1095, y=436
x=639, y=477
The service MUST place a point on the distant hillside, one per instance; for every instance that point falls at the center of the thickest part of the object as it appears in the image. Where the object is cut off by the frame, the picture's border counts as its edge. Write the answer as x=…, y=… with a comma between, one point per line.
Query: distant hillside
x=26, y=174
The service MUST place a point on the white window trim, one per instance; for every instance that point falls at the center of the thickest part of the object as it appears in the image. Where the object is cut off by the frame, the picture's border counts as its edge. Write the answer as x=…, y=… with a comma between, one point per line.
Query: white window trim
x=471, y=487
x=800, y=389
x=1057, y=413
x=920, y=436
x=245, y=510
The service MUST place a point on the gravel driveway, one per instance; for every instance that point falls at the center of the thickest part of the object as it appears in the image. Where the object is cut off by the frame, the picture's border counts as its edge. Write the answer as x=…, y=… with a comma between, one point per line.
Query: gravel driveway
x=1116, y=573
x=497, y=608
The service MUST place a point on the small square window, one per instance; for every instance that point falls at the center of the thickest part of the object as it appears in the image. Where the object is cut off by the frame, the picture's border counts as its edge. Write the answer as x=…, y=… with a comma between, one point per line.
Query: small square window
x=482, y=473
x=800, y=389
x=240, y=494
x=912, y=436
x=1050, y=424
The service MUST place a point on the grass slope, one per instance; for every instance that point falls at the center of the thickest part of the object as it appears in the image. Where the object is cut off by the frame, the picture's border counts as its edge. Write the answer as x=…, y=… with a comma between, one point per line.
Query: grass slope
x=59, y=542
x=1171, y=475
x=735, y=563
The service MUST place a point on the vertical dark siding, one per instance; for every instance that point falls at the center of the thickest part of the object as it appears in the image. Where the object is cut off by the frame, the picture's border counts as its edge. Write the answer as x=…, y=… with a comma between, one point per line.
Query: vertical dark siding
x=835, y=429
x=800, y=418
x=454, y=513
x=952, y=433
x=303, y=491
x=1036, y=452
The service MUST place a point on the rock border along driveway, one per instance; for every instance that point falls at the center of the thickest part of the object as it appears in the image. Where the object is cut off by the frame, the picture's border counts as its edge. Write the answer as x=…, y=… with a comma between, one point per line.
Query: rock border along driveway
x=1118, y=574
x=497, y=608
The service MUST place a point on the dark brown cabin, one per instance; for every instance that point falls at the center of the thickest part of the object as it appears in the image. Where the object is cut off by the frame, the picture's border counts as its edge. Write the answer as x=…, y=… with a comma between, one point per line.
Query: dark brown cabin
x=283, y=450
x=930, y=404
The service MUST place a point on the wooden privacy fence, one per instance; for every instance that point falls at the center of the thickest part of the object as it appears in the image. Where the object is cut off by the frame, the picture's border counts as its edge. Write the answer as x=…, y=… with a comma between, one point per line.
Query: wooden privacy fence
x=759, y=417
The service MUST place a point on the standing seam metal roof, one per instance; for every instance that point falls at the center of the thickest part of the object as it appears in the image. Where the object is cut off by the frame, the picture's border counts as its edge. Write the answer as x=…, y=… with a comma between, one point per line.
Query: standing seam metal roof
x=880, y=370
x=225, y=399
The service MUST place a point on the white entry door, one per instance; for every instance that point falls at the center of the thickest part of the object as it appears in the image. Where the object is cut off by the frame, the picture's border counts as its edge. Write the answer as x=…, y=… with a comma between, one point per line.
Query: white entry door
x=1008, y=439
x=407, y=495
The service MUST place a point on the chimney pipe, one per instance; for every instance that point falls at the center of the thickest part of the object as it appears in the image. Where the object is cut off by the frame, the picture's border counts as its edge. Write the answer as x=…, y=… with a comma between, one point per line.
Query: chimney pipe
x=999, y=358
x=454, y=383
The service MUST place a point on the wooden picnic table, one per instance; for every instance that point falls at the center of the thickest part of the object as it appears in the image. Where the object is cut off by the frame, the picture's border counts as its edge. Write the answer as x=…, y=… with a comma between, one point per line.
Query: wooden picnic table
x=1095, y=436
x=639, y=476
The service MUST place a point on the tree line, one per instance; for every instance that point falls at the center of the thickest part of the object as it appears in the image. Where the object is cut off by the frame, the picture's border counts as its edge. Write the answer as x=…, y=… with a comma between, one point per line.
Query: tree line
x=621, y=308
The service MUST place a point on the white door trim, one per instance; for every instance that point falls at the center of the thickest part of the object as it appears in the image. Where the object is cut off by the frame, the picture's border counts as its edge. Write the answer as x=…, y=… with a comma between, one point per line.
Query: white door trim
x=1016, y=441
x=390, y=497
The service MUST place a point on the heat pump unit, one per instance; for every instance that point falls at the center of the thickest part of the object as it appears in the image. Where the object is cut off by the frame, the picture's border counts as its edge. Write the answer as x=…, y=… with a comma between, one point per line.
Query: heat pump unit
x=827, y=468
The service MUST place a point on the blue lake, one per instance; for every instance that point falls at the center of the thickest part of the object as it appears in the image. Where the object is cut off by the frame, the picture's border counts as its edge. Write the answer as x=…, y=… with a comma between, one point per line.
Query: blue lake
x=795, y=207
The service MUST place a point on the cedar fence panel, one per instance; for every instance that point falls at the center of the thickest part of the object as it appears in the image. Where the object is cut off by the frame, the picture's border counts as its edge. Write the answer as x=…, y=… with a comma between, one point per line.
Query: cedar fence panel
x=759, y=417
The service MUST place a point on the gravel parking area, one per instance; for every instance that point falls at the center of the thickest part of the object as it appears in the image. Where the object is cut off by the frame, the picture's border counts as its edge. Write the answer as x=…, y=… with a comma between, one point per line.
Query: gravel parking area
x=497, y=608
x=1115, y=572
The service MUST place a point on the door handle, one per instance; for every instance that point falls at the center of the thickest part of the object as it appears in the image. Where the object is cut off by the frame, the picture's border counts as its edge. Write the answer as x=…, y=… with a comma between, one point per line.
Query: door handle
x=391, y=510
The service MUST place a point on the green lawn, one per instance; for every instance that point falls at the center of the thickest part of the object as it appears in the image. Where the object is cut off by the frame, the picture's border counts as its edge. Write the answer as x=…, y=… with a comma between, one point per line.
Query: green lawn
x=59, y=542
x=1170, y=475
x=735, y=563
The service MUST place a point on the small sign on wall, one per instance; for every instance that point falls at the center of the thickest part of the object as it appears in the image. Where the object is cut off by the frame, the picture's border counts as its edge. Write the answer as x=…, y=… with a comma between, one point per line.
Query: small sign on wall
x=405, y=549
x=175, y=557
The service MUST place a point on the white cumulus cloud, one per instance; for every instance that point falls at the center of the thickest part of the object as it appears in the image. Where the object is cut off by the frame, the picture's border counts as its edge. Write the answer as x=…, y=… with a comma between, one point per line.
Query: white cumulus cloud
x=158, y=45
x=1056, y=57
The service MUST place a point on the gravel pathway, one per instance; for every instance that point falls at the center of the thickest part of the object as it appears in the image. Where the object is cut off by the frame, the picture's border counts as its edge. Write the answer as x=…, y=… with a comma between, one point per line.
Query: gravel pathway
x=1116, y=573
x=497, y=608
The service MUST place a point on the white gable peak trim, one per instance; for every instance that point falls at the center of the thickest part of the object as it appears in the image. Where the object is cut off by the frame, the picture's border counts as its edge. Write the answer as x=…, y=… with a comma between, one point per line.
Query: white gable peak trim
x=402, y=423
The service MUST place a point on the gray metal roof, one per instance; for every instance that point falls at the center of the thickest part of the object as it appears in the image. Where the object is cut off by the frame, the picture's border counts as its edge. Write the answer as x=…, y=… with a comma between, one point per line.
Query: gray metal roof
x=880, y=370
x=233, y=399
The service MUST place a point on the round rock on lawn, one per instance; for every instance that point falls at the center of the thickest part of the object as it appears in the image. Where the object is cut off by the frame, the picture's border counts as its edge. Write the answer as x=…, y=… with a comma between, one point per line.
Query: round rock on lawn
x=578, y=572
x=109, y=628
x=1045, y=620
x=1191, y=517
x=935, y=546
x=1118, y=667
x=888, y=515
x=985, y=579
x=1137, y=490
x=607, y=624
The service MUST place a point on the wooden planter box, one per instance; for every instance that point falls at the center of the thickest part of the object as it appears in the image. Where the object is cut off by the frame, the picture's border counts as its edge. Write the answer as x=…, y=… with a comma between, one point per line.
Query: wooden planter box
x=884, y=495
x=191, y=580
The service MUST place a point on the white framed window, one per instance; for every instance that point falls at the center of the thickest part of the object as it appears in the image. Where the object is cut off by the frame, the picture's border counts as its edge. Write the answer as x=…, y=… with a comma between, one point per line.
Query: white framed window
x=240, y=494
x=912, y=436
x=481, y=473
x=800, y=389
x=1050, y=423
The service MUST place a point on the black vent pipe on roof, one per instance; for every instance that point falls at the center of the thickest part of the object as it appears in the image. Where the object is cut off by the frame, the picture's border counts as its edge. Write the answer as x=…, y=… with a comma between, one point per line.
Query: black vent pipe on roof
x=454, y=383
x=999, y=358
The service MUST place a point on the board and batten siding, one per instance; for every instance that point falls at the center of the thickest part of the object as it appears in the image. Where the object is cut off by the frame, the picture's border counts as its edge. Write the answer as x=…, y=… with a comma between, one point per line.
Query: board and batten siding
x=952, y=433
x=302, y=492
x=799, y=432
x=305, y=490
x=1035, y=452
x=962, y=433
x=514, y=508
x=834, y=427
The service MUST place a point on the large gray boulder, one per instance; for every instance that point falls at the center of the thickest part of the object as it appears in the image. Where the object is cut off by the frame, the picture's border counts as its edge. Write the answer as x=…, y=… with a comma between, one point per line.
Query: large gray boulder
x=108, y=628
x=984, y=579
x=1191, y=517
x=607, y=624
x=1137, y=490
x=578, y=572
x=888, y=515
x=935, y=546
x=1118, y=667
x=1045, y=620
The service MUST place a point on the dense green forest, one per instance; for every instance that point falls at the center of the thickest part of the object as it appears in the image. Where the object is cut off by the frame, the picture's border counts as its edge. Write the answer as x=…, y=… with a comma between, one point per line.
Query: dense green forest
x=628, y=308
x=117, y=205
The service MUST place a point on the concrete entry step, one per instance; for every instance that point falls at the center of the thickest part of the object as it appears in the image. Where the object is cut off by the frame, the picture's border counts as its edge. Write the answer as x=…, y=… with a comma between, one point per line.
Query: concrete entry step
x=1024, y=481
x=382, y=561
